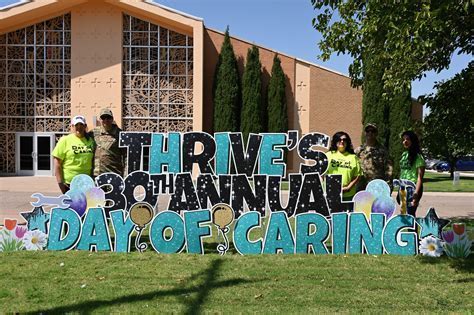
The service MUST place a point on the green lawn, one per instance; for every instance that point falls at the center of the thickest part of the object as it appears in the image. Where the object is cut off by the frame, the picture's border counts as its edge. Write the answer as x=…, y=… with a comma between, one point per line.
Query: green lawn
x=150, y=282
x=440, y=182
x=76, y=281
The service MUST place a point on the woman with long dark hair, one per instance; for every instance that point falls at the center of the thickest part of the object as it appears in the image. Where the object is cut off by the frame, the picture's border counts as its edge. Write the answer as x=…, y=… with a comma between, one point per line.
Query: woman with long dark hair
x=343, y=161
x=412, y=167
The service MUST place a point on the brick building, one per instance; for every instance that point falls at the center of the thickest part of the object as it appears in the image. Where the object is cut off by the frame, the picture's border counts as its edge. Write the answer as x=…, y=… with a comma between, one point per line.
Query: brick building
x=151, y=65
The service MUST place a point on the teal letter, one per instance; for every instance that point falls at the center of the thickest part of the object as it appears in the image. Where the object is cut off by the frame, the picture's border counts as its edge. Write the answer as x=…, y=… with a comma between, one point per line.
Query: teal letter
x=242, y=229
x=158, y=156
x=278, y=236
x=339, y=232
x=123, y=230
x=304, y=240
x=359, y=230
x=272, y=150
x=58, y=218
x=407, y=246
x=195, y=232
x=222, y=153
x=163, y=221
x=95, y=232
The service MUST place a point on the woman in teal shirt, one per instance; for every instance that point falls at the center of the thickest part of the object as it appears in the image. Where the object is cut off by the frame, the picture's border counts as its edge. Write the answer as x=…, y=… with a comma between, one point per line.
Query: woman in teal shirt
x=412, y=167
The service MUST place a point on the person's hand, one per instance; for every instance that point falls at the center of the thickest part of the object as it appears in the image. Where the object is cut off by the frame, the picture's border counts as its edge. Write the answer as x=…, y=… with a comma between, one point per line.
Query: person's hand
x=64, y=187
x=414, y=203
x=346, y=188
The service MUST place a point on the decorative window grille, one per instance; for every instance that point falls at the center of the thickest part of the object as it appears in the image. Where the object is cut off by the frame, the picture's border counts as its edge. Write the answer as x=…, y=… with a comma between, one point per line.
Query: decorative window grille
x=35, y=83
x=157, y=78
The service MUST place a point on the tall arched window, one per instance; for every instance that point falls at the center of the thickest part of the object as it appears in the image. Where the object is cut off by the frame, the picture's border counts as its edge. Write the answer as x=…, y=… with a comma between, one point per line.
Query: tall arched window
x=157, y=78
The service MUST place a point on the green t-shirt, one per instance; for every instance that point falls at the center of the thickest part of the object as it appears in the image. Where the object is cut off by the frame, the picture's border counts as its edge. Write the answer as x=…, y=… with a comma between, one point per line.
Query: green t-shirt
x=347, y=165
x=408, y=171
x=76, y=155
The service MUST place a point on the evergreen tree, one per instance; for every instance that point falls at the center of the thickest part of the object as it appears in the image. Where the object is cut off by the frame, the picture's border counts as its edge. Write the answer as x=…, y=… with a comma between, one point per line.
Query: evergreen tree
x=392, y=116
x=226, y=89
x=375, y=109
x=399, y=120
x=277, y=112
x=252, y=110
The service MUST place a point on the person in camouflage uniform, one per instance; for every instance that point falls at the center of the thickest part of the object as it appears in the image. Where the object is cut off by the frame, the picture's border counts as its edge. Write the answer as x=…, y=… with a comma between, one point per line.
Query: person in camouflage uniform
x=108, y=156
x=374, y=158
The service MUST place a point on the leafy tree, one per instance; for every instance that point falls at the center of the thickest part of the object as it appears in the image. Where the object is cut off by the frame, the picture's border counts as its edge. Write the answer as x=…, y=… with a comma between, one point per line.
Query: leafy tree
x=277, y=111
x=226, y=89
x=449, y=127
x=252, y=109
x=417, y=36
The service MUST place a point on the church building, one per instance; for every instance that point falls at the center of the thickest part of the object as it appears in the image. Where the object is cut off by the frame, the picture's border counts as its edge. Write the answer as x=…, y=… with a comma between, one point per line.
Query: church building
x=151, y=65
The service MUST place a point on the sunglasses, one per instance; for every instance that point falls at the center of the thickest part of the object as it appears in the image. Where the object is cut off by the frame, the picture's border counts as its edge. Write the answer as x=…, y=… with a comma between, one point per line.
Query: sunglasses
x=371, y=131
x=106, y=117
x=342, y=139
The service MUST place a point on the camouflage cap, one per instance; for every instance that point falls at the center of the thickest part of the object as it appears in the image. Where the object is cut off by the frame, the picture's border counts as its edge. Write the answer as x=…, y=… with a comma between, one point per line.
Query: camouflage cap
x=106, y=111
x=371, y=125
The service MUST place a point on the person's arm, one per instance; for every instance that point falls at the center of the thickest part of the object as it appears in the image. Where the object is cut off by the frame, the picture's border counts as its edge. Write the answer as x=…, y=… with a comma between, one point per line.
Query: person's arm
x=389, y=171
x=351, y=184
x=59, y=175
x=419, y=186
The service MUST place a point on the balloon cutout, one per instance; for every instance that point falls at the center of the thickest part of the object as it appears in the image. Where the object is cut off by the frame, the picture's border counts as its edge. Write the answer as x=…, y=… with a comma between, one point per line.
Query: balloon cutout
x=363, y=202
x=95, y=198
x=384, y=205
x=141, y=213
x=78, y=201
x=378, y=188
x=84, y=194
x=222, y=217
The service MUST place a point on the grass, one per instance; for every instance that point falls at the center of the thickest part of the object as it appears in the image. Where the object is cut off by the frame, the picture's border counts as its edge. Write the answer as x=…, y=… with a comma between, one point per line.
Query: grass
x=77, y=281
x=441, y=182
x=150, y=282
x=436, y=182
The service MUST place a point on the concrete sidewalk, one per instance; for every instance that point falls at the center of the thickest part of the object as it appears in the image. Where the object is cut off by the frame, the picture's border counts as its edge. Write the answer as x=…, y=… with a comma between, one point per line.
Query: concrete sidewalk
x=16, y=191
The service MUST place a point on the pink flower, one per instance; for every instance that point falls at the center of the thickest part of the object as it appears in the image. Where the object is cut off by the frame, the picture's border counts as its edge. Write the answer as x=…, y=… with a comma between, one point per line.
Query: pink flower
x=448, y=236
x=20, y=231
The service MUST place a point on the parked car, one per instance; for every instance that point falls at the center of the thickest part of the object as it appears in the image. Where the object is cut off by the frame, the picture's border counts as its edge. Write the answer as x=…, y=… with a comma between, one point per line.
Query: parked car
x=431, y=163
x=442, y=166
x=465, y=163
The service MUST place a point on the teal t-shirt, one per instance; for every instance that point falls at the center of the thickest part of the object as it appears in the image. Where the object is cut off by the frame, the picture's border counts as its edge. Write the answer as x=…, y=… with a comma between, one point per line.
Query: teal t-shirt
x=76, y=156
x=345, y=164
x=408, y=171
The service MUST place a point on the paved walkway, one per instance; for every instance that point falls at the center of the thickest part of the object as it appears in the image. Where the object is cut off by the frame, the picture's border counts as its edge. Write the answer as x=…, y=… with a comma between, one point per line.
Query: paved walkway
x=15, y=197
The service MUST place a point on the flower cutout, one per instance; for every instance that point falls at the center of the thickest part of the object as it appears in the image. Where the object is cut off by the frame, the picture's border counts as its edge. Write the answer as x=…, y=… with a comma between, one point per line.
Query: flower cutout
x=35, y=240
x=431, y=246
x=10, y=224
x=459, y=228
x=20, y=231
x=448, y=236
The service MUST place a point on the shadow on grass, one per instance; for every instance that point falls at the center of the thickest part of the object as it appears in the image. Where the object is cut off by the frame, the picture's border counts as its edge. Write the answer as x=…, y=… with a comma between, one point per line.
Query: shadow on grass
x=460, y=264
x=466, y=280
x=463, y=265
x=193, y=306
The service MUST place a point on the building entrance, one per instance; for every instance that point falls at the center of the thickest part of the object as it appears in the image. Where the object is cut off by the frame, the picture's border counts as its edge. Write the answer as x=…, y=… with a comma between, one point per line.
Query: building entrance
x=33, y=153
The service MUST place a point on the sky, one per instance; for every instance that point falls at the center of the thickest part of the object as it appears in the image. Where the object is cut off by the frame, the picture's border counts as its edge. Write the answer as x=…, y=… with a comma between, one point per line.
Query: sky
x=284, y=26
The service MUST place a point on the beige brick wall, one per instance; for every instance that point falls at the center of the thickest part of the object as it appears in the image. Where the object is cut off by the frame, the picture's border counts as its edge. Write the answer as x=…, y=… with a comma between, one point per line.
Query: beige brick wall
x=334, y=104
